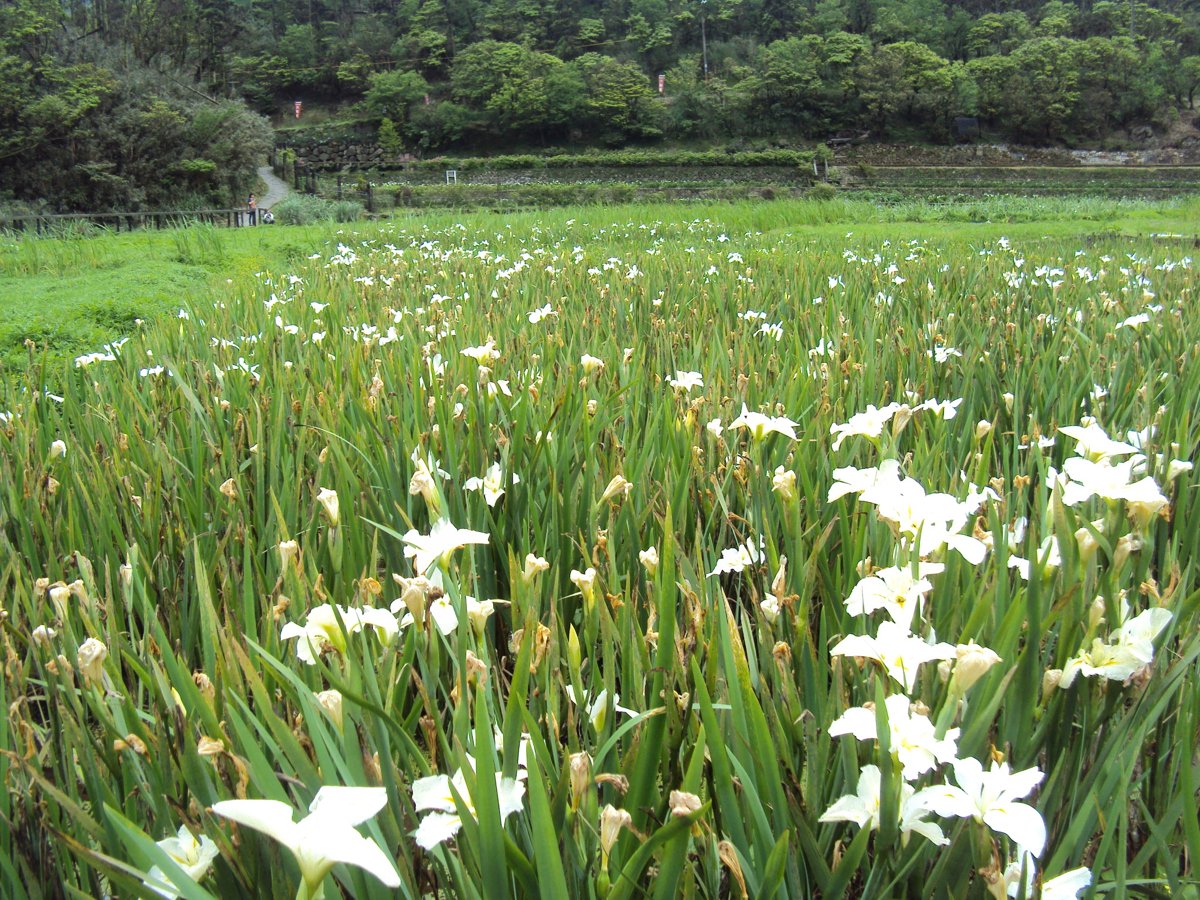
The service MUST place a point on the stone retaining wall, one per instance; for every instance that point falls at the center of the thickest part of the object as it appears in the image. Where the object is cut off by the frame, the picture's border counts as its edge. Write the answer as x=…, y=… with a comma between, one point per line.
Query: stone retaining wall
x=346, y=155
x=333, y=155
x=1188, y=153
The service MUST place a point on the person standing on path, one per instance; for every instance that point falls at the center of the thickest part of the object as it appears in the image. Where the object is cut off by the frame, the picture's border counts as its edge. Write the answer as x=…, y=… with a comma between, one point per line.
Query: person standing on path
x=253, y=207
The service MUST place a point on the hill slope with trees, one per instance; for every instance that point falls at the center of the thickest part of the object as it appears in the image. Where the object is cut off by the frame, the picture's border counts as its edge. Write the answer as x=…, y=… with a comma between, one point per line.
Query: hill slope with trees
x=104, y=102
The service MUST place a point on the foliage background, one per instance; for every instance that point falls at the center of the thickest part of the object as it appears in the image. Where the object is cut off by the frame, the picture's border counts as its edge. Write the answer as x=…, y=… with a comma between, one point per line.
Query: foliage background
x=129, y=104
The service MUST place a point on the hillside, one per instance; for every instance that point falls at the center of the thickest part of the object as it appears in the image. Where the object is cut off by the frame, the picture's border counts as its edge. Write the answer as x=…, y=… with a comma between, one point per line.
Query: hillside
x=124, y=104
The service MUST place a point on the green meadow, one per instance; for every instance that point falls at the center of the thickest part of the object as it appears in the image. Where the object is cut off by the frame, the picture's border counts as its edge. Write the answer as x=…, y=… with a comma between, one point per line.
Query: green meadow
x=789, y=549
x=73, y=293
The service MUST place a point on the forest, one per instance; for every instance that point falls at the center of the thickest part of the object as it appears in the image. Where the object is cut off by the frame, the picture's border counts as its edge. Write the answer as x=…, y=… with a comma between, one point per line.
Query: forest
x=125, y=103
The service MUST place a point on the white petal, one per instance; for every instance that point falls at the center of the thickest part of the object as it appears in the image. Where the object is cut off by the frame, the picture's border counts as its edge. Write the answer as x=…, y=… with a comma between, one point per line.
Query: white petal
x=929, y=830
x=972, y=549
x=382, y=620
x=347, y=806
x=510, y=793
x=1019, y=784
x=857, y=721
x=1067, y=885
x=346, y=845
x=856, y=645
x=158, y=882
x=969, y=775
x=435, y=828
x=1020, y=822
x=433, y=793
x=947, y=800
x=849, y=808
x=868, y=595
x=271, y=817
x=444, y=616
x=1145, y=627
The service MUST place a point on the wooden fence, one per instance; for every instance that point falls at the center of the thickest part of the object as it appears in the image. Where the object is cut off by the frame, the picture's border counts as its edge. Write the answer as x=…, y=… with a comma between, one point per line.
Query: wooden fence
x=128, y=221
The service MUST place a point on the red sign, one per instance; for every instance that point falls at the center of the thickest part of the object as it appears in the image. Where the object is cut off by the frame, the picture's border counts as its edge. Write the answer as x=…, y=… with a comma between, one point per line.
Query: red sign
x=662, y=84
x=299, y=106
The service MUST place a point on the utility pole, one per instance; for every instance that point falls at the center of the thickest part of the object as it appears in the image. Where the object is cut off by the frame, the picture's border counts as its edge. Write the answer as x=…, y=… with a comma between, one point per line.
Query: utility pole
x=704, y=38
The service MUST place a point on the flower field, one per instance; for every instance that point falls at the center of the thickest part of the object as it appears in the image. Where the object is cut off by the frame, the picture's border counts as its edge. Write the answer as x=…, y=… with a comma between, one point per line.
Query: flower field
x=615, y=558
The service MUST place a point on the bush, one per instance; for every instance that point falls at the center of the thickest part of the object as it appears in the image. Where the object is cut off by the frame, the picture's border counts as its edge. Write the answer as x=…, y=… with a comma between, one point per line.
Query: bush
x=303, y=209
x=627, y=159
x=346, y=210
x=557, y=194
x=822, y=190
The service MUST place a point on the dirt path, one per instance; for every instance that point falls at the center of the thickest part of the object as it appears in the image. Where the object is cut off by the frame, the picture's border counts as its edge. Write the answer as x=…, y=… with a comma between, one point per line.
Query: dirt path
x=276, y=188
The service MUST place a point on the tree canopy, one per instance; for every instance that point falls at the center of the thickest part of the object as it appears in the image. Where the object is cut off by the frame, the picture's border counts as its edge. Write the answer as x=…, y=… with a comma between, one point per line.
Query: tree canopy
x=527, y=71
x=86, y=124
x=110, y=92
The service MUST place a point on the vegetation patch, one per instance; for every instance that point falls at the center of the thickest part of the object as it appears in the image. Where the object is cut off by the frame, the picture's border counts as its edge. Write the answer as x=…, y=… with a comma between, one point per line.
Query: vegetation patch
x=611, y=551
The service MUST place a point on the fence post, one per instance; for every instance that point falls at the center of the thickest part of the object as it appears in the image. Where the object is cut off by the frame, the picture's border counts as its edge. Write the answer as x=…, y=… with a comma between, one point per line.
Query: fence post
x=370, y=197
x=297, y=172
x=339, y=187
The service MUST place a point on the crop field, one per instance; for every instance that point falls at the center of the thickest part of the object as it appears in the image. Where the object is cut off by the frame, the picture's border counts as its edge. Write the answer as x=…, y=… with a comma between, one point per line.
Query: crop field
x=1109, y=181
x=616, y=553
x=508, y=184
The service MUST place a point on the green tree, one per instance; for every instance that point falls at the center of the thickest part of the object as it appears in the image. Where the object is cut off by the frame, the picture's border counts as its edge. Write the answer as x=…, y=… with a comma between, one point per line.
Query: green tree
x=788, y=88
x=1189, y=81
x=648, y=27
x=389, y=137
x=1042, y=95
x=992, y=75
x=299, y=46
x=480, y=70
x=919, y=21
x=392, y=94
x=909, y=81
x=619, y=102
x=830, y=16
x=353, y=75
x=1116, y=87
x=441, y=125
x=997, y=33
x=520, y=90
x=699, y=108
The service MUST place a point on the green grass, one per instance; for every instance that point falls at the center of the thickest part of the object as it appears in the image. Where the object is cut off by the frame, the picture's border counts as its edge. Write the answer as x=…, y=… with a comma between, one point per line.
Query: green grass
x=74, y=295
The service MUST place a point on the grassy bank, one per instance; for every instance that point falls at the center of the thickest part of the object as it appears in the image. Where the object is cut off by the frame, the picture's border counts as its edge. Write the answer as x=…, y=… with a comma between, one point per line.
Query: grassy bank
x=72, y=294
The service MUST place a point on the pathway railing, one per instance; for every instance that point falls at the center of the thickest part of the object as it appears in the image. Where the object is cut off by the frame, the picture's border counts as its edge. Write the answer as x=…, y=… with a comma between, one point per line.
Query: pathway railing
x=128, y=221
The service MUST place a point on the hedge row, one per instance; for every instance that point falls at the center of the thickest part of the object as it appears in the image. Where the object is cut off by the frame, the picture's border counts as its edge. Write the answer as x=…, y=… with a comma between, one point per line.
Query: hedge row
x=491, y=196
x=621, y=159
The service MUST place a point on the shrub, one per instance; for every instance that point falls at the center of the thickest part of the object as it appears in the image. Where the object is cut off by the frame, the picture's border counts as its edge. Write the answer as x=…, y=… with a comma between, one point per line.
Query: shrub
x=822, y=190
x=302, y=209
x=628, y=159
x=346, y=210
